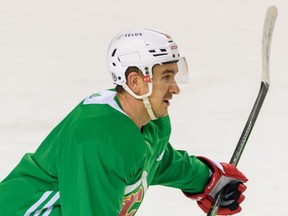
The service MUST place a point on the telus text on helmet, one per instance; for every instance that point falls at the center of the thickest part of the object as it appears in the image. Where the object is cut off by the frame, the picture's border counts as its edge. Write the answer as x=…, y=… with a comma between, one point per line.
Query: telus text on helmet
x=133, y=34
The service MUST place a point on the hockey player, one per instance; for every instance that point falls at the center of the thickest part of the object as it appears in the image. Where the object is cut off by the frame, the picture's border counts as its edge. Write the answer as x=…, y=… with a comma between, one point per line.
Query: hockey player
x=103, y=156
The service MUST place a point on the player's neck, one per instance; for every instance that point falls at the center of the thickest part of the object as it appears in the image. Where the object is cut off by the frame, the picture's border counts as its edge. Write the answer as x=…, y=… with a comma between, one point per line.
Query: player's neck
x=134, y=108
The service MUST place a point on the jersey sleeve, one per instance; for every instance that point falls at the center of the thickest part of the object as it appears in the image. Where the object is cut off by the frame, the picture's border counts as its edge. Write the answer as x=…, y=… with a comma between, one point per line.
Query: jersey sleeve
x=179, y=170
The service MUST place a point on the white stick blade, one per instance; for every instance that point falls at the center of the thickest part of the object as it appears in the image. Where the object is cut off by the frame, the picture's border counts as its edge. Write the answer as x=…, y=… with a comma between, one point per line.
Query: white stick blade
x=269, y=23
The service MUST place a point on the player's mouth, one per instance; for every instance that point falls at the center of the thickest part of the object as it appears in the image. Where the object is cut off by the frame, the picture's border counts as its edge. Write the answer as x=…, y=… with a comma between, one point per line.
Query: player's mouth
x=167, y=102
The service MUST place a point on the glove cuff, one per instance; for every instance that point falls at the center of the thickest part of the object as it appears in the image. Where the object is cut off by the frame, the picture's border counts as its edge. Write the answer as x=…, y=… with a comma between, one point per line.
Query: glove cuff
x=221, y=174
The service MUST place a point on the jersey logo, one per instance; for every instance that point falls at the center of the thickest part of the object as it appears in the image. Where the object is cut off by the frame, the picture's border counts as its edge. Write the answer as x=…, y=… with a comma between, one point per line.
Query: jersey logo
x=132, y=202
x=134, y=195
x=160, y=157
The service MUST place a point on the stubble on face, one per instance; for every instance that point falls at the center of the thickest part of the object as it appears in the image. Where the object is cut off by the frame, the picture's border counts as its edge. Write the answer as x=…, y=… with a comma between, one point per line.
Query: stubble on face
x=164, y=86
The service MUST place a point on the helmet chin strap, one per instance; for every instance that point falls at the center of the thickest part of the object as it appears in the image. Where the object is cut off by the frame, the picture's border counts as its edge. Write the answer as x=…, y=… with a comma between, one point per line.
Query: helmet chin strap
x=145, y=99
x=148, y=107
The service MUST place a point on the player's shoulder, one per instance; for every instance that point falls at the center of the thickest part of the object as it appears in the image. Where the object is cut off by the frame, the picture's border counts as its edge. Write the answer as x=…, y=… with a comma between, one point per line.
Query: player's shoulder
x=99, y=108
x=100, y=116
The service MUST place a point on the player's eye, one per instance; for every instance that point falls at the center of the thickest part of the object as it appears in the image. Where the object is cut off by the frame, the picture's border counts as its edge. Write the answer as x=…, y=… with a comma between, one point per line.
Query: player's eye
x=167, y=77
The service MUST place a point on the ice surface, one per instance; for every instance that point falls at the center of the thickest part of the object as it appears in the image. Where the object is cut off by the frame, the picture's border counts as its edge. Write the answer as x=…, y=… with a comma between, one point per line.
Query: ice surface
x=52, y=54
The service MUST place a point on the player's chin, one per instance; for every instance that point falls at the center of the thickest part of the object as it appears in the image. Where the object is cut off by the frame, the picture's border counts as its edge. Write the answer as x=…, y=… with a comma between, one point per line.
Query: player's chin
x=163, y=113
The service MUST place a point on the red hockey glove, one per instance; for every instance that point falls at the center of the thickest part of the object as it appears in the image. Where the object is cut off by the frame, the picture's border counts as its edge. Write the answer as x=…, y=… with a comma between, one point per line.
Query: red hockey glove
x=224, y=175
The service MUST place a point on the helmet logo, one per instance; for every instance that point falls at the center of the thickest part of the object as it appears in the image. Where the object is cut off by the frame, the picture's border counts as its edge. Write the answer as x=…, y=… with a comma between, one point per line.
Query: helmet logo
x=133, y=34
x=147, y=79
x=174, y=47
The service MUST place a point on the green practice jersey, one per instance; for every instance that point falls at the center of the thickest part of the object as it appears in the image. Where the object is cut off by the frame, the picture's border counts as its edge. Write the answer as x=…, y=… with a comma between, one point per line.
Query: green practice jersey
x=98, y=162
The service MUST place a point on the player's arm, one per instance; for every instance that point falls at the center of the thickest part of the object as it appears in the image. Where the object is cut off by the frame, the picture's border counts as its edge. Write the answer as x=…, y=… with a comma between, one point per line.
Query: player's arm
x=178, y=169
x=201, y=179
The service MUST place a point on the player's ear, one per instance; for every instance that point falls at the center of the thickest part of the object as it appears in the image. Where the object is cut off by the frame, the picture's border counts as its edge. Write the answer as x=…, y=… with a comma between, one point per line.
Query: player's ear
x=134, y=81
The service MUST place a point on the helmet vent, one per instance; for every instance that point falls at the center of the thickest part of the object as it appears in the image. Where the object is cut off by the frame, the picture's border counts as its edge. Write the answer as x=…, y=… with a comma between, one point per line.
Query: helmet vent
x=160, y=54
x=113, y=53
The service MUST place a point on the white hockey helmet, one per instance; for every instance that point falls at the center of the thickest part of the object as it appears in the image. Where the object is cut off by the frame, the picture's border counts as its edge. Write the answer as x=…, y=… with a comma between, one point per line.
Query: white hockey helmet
x=142, y=48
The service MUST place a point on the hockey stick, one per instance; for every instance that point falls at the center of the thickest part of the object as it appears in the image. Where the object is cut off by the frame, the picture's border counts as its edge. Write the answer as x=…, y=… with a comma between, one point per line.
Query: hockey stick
x=269, y=23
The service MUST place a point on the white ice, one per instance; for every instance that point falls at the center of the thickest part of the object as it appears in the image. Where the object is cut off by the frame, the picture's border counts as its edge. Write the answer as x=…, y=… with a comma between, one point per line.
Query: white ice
x=52, y=55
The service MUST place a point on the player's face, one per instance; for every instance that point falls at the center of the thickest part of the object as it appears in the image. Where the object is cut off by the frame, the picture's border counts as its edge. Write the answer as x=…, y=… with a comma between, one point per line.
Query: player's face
x=164, y=86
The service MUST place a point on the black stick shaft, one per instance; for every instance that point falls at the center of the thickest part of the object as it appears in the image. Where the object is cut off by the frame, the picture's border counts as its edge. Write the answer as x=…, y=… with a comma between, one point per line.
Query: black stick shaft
x=249, y=124
x=242, y=141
